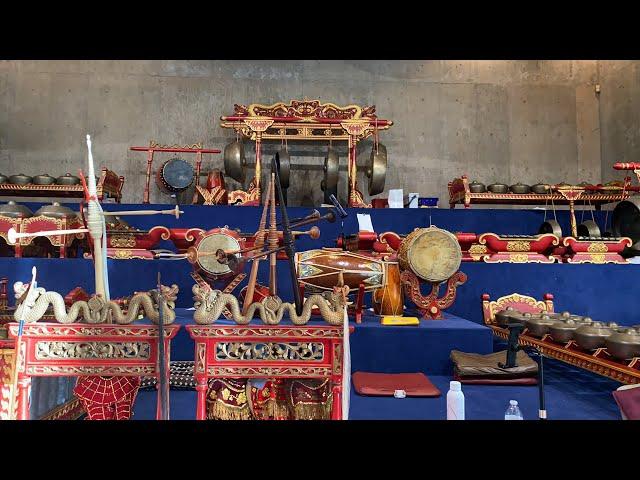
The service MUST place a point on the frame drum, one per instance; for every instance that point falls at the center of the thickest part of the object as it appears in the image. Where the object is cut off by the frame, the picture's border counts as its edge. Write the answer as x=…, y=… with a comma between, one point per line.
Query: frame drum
x=320, y=269
x=209, y=243
x=175, y=176
x=431, y=253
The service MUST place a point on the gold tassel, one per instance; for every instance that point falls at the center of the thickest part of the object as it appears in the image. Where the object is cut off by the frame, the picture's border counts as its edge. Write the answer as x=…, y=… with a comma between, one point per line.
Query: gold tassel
x=218, y=410
x=276, y=409
x=313, y=411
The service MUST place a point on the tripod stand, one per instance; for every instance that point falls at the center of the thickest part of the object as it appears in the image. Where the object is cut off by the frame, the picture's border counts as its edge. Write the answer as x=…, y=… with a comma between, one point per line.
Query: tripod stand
x=515, y=329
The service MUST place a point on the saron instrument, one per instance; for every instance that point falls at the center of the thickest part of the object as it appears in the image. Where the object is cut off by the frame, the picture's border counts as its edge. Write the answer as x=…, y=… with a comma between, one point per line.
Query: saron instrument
x=320, y=269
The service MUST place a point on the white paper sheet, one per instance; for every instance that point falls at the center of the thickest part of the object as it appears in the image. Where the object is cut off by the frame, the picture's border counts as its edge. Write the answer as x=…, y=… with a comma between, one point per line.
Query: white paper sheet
x=364, y=223
x=396, y=198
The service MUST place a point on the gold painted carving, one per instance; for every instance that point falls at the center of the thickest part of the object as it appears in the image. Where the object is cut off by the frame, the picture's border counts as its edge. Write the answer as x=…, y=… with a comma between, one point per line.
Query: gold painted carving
x=518, y=246
x=195, y=146
x=123, y=241
x=597, y=247
x=200, y=362
x=92, y=350
x=88, y=370
x=518, y=257
x=598, y=257
x=261, y=372
x=270, y=351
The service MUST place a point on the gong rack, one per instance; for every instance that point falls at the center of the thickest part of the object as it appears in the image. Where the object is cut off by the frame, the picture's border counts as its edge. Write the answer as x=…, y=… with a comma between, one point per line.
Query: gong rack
x=307, y=120
x=600, y=361
x=154, y=147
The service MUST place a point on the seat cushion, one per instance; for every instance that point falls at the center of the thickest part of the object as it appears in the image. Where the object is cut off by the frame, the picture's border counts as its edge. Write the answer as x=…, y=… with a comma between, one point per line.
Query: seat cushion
x=469, y=365
x=628, y=401
x=385, y=384
x=495, y=381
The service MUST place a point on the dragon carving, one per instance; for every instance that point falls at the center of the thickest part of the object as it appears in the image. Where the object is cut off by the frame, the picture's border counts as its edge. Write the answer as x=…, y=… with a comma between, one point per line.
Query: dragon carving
x=96, y=309
x=210, y=304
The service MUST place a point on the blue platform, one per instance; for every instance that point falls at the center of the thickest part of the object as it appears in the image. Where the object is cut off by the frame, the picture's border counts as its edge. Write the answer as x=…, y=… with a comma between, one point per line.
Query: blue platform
x=604, y=292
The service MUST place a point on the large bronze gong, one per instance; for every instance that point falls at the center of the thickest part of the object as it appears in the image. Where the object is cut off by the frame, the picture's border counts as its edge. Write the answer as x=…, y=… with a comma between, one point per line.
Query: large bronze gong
x=626, y=221
x=431, y=253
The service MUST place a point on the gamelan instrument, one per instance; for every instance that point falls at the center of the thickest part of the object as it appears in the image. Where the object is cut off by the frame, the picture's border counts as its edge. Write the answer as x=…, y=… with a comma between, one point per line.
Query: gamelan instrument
x=389, y=299
x=626, y=223
x=175, y=176
x=431, y=253
x=307, y=120
x=433, y=256
x=321, y=269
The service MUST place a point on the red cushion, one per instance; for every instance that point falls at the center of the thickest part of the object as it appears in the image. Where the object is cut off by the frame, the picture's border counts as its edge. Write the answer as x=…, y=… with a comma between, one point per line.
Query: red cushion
x=496, y=381
x=385, y=384
x=629, y=402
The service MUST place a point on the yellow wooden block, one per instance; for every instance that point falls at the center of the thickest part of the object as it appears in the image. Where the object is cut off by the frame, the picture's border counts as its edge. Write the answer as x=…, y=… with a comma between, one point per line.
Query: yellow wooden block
x=396, y=320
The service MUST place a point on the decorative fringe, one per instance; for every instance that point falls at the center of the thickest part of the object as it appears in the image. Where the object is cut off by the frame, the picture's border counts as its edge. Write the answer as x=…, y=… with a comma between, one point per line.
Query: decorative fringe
x=218, y=410
x=312, y=411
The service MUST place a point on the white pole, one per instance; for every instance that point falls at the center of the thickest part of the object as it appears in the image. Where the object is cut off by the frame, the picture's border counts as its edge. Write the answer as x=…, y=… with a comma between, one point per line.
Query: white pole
x=95, y=223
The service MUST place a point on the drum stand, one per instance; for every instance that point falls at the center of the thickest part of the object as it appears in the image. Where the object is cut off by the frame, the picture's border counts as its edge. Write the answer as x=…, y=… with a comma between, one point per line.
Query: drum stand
x=431, y=305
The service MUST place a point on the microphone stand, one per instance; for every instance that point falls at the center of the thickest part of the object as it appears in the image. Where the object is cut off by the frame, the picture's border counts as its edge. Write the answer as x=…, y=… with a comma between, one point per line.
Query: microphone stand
x=343, y=213
x=515, y=329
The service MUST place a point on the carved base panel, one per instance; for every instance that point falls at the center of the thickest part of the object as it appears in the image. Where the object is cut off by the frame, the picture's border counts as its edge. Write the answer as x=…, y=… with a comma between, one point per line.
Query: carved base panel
x=599, y=258
x=267, y=351
x=518, y=257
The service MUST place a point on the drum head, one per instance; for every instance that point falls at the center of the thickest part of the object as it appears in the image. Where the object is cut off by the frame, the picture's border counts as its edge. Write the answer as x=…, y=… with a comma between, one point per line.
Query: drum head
x=210, y=244
x=177, y=175
x=435, y=255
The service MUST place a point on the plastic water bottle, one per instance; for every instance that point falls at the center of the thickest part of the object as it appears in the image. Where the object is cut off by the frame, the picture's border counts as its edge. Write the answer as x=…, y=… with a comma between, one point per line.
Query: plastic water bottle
x=513, y=412
x=455, y=402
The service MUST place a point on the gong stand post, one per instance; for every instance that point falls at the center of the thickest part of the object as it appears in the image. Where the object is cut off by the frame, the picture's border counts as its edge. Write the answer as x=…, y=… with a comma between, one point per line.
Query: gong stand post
x=288, y=241
x=513, y=347
x=259, y=165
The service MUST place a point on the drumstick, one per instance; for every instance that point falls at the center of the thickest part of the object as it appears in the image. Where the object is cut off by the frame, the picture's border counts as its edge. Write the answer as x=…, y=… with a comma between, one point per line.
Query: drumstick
x=253, y=276
x=273, y=241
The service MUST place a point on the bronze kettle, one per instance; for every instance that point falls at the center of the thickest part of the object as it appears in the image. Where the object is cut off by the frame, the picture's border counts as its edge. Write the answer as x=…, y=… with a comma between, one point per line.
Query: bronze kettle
x=520, y=188
x=562, y=332
x=498, y=188
x=593, y=336
x=68, y=179
x=13, y=210
x=477, y=187
x=624, y=344
x=3, y=178
x=44, y=179
x=539, y=325
x=20, y=179
x=55, y=210
x=540, y=188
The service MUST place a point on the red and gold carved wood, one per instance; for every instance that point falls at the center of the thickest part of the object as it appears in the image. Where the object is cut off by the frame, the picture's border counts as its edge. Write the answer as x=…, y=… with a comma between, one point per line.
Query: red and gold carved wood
x=109, y=185
x=78, y=349
x=600, y=251
x=309, y=120
x=7, y=369
x=505, y=249
x=431, y=305
x=599, y=361
x=267, y=351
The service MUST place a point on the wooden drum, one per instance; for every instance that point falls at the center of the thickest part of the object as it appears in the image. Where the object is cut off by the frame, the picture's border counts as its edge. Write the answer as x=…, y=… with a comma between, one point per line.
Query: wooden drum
x=175, y=176
x=431, y=253
x=203, y=252
x=388, y=300
x=320, y=269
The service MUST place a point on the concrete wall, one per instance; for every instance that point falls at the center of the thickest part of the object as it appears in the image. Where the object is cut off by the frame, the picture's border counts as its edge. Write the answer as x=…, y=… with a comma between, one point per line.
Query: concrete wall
x=504, y=121
x=619, y=115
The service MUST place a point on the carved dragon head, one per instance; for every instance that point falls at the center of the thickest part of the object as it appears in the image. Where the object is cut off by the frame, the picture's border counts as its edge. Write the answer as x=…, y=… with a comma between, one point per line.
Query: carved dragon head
x=338, y=297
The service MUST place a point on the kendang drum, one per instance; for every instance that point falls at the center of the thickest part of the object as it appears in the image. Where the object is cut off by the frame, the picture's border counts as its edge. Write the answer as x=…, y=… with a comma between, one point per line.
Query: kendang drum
x=204, y=256
x=175, y=176
x=323, y=269
x=431, y=253
x=388, y=300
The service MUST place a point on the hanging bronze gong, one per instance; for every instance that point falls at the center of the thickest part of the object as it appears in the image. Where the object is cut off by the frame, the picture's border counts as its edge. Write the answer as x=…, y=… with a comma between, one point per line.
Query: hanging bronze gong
x=284, y=167
x=235, y=162
x=551, y=226
x=589, y=228
x=331, y=165
x=626, y=221
x=377, y=169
